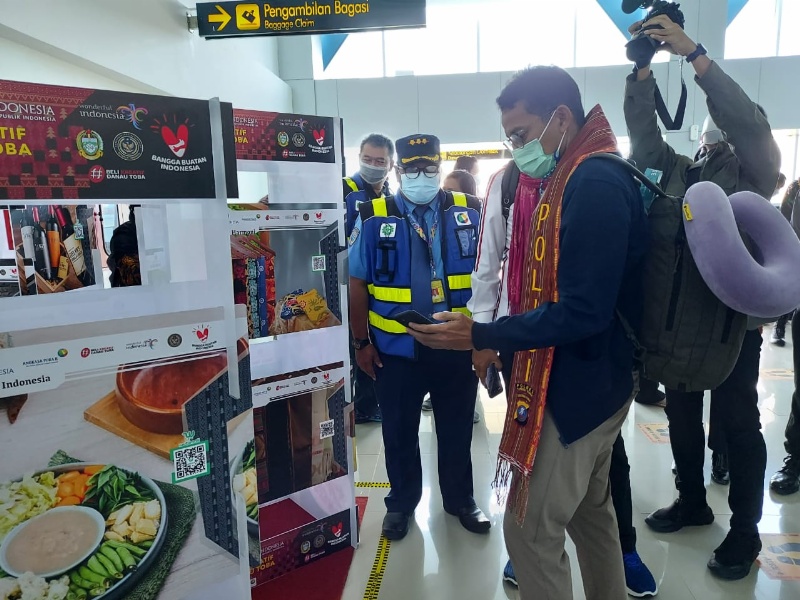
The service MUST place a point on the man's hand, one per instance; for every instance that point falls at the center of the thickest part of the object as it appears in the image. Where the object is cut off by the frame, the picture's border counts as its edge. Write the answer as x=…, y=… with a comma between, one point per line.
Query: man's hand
x=671, y=35
x=634, y=29
x=455, y=332
x=367, y=359
x=481, y=359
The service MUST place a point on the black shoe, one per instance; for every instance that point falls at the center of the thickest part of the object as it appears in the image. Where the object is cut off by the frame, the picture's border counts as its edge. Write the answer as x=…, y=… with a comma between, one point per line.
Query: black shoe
x=651, y=397
x=719, y=468
x=395, y=525
x=678, y=515
x=787, y=480
x=735, y=555
x=472, y=519
x=778, y=337
x=362, y=418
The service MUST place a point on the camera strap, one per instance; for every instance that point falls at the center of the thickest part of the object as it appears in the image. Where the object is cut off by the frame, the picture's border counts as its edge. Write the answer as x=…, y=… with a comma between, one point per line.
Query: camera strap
x=663, y=112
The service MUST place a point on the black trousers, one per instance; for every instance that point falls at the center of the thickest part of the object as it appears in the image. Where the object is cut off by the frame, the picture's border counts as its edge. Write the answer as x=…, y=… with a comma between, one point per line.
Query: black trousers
x=619, y=477
x=453, y=386
x=792, y=443
x=364, y=397
x=738, y=418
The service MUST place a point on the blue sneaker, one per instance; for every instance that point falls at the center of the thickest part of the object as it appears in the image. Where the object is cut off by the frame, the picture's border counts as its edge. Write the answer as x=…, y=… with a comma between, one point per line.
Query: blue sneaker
x=362, y=418
x=508, y=575
x=638, y=578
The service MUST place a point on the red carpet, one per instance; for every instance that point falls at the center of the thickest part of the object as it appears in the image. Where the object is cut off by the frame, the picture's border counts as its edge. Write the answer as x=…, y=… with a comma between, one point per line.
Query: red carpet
x=321, y=580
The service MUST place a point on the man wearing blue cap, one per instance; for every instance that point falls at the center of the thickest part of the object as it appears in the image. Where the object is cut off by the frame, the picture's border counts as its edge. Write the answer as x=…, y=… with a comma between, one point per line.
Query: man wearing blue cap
x=416, y=251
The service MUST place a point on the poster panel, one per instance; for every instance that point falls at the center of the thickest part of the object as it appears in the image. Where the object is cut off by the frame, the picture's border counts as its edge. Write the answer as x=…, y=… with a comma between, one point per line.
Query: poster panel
x=66, y=143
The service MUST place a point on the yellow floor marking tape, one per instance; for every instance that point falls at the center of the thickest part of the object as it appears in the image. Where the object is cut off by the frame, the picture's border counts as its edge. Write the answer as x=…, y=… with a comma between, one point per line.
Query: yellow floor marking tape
x=372, y=484
x=378, y=570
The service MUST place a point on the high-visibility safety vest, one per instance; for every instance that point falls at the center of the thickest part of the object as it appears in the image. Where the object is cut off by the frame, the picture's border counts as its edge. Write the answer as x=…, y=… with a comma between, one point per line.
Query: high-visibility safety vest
x=387, y=246
x=356, y=192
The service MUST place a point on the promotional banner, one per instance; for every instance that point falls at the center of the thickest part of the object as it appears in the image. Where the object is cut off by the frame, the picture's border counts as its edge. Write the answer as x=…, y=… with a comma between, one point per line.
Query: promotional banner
x=292, y=17
x=283, y=137
x=117, y=480
x=74, y=143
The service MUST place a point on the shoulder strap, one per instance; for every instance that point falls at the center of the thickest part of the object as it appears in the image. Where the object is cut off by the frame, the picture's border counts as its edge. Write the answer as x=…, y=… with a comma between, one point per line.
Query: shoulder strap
x=351, y=184
x=379, y=207
x=634, y=172
x=462, y=200
x=508, y=187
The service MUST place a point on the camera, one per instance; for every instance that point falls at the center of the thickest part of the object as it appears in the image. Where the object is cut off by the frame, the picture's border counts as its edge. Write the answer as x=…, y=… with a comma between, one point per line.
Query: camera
x=642, y=48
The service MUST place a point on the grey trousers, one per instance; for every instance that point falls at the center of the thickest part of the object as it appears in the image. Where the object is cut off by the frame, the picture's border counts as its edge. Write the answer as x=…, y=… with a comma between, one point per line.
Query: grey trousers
x=569, y=493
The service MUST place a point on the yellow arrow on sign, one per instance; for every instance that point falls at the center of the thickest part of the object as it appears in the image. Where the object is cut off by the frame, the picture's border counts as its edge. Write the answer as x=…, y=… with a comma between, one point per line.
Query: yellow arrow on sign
x=223, y=17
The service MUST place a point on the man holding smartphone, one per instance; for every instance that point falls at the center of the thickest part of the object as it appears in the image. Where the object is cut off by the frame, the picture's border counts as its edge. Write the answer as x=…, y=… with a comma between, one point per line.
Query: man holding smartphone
x=415, y=252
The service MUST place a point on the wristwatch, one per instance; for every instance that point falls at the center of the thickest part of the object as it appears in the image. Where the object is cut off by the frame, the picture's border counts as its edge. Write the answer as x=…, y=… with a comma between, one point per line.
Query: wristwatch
x=699, y=51
x=361, y=344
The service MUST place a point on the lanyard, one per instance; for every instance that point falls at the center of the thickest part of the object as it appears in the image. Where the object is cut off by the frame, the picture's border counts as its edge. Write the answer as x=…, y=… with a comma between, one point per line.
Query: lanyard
x=421, y=233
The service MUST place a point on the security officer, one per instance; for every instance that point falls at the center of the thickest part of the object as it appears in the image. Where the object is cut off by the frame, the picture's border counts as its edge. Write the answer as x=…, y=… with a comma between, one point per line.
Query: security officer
x=416, y=251
x=376, y=160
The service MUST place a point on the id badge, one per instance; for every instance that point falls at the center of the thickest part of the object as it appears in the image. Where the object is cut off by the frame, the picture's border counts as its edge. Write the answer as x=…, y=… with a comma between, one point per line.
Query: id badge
x=437, y=291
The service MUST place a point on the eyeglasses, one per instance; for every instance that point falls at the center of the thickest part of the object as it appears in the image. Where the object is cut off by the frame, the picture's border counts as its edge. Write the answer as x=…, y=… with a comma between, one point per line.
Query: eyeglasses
x=430, y=171
x=514, y=142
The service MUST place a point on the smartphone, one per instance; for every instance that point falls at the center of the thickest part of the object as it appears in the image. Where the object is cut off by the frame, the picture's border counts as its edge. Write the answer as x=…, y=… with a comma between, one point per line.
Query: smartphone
x=407, y=317
x=494, y=384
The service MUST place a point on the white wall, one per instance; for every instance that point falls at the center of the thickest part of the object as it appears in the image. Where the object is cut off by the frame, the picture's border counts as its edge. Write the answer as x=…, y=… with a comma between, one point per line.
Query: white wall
x=135, y=45
x=461, y=108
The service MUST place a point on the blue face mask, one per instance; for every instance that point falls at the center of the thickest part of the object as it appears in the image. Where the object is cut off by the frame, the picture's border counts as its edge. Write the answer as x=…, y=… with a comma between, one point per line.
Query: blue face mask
x=421, y=190
x=532, y=159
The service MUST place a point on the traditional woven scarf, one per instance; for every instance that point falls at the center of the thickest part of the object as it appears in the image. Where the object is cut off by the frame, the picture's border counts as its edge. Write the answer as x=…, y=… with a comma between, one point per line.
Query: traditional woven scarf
x=529, y=191
x=531, y=373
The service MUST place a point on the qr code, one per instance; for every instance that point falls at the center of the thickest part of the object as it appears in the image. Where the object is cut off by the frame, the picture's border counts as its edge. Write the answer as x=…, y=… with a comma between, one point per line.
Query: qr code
x=326, y=430
x=190, y=462
x=318, y=263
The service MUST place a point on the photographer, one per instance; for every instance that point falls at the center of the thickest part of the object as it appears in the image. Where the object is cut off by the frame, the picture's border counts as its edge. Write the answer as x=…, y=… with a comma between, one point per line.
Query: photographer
x=740, y=154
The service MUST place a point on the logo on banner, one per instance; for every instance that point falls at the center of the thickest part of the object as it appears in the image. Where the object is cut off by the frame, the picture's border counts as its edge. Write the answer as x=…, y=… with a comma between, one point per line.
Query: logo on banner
x=175, y=136
x=27, y=112
x=87, y=352
x=90, y=144
x=174, y=340
x=134, y=114
x=305, y=547
x=38, y=362
x=151, y=344
x=299, y=140
x=128, y=146
x=97, y=174
x=63, y=352
x=327, y=376
x=283, y=139
x=204, y=340
x=336, y=530
x=319, y=136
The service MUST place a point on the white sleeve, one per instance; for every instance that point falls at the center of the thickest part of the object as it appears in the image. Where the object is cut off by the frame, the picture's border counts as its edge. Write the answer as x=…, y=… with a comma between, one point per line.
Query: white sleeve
x=486, y=278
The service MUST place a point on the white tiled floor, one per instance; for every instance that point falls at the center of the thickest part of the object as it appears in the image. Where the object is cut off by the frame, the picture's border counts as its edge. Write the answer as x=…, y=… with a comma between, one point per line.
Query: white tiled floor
x=441, y=561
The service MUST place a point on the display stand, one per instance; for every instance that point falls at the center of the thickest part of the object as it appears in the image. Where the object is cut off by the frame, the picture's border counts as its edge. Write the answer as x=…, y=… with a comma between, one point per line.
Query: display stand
x=129, y=404
x=286, y=239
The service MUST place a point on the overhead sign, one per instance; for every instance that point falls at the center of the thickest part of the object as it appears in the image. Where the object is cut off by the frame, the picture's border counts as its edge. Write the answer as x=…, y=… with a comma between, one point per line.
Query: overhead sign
x=293, y=17
x=495, y=153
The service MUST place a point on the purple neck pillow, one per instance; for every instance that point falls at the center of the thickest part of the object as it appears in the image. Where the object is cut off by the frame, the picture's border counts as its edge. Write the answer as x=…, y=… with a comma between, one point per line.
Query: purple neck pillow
x=763, y=282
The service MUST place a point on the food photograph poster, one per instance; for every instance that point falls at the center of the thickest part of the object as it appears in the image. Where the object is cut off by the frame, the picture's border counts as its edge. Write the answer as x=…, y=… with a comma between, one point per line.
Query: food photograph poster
x=123, y=452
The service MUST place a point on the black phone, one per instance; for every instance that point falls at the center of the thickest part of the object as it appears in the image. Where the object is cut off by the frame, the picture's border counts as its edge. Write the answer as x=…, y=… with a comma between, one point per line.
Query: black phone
x=407, y=317
x=494, y=384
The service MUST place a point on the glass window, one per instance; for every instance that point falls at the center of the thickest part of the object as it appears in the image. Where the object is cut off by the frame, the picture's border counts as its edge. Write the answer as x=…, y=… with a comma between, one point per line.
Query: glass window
x=516, y=33
x=360, y=56
x=754, y=32
x=448, y=45
x=789, y=41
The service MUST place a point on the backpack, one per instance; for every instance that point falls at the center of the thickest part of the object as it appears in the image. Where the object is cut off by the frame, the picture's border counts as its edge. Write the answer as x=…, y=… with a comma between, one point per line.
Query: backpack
x=688, y=339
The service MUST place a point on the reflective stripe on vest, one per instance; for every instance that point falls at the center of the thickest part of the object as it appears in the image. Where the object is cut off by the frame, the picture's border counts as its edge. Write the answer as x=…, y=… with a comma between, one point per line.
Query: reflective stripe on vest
x=387, y=325
x=459, y=199
x=387, y=294
x=379, y=207
x=463, y=311
x=459, y=282
x=351, y=184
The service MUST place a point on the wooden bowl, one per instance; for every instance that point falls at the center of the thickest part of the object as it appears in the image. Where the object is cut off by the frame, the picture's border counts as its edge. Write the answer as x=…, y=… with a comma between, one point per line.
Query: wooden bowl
x=152, y=397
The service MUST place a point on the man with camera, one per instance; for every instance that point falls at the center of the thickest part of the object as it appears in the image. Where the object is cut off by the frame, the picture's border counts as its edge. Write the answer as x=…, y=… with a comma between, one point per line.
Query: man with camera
x=739, y=155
